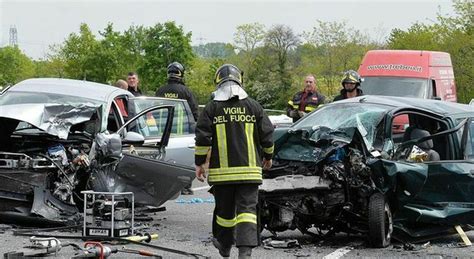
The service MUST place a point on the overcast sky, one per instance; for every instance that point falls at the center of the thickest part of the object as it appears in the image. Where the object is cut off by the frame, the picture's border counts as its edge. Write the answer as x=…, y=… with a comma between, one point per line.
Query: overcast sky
x=40, y=23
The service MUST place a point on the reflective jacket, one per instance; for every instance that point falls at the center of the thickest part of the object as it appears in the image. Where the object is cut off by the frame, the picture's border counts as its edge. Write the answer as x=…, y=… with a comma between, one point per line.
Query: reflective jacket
x=313, y=100
x=177, y=90
x=238, y=134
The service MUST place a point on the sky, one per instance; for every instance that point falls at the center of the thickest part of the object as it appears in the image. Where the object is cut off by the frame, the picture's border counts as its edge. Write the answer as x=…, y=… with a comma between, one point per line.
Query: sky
x=41, y=23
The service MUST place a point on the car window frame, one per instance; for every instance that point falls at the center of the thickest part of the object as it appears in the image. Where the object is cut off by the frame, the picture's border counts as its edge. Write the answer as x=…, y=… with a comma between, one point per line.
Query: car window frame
x=167, y=130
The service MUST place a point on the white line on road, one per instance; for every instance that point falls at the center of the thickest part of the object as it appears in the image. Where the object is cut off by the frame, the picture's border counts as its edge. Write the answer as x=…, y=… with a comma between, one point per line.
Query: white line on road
x=339, y=253
x=201, y=188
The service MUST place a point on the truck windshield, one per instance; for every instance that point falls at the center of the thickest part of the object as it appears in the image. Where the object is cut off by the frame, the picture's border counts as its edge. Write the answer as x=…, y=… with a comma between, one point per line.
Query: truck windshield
x=395, y=86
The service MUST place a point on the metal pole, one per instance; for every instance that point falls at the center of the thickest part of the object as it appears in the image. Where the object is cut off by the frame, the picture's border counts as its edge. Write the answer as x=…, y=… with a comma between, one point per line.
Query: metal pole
x=113, y=214
x=133, y=214
x=85, y=215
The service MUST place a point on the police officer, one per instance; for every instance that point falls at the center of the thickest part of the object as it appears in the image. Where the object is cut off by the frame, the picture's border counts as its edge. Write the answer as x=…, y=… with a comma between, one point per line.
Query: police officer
x=305, y=101
x=177, y=89
x=236, y=131
x=350, y=86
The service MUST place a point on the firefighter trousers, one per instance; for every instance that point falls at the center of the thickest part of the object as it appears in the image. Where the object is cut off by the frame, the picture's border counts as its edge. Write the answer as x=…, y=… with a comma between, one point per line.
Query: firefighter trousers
x=235, y=214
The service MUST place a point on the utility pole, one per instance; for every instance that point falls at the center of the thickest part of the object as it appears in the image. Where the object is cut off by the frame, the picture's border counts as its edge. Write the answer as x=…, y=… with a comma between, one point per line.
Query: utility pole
x=13, y=36
x=200, y=39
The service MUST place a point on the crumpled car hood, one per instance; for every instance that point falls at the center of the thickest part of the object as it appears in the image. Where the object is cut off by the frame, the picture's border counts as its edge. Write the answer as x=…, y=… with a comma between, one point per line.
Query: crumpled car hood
x=54, y=119
x=312, y=146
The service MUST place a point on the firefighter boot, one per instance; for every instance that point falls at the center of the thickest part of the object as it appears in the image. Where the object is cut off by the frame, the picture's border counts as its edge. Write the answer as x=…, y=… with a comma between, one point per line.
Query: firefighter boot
x=245, y=252
x=223, y=251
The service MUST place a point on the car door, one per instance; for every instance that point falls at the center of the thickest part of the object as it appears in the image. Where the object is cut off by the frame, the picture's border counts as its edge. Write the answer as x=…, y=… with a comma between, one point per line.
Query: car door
x=180, y=148
x=447, y=195
x=149, y=177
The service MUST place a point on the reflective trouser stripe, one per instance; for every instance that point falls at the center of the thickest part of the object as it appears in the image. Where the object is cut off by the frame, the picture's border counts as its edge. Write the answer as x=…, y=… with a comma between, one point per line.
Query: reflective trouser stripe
x=201, y=150
x=269, y=150
x=241, y=218
x=227, y=223
x=222, y=145
x=250, y=144
x=246, y=217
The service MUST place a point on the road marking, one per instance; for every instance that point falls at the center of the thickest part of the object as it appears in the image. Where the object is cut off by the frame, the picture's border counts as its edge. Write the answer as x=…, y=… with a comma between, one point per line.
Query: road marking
x=200, y=188
x=339, y=253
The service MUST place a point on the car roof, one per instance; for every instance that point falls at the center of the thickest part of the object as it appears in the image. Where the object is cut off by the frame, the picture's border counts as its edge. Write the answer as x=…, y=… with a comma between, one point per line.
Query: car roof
x=436, y=106
x=84, y=89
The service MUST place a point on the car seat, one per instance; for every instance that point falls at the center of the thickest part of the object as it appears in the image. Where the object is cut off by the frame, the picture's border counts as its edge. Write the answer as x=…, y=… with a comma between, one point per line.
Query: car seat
x=426, y=145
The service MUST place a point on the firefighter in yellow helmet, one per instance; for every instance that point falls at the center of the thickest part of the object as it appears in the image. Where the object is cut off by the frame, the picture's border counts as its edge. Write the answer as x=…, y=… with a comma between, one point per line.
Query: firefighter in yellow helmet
x=238, y=134
x=350, y=86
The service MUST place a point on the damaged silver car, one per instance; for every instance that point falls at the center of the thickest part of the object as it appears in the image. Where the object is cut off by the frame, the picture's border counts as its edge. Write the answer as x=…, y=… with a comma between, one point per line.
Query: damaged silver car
x=346, y=168
x=59, y=137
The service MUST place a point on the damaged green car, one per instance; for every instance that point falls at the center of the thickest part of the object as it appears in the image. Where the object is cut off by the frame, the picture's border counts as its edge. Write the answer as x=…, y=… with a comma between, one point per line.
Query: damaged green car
x=345, y=168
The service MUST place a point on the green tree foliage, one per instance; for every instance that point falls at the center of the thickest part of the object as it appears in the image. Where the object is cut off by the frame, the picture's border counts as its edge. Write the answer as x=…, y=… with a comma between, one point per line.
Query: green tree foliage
x=214, y=50
x=279, y=41
x=77, y=52
x=340, y=48
x=247, y=38
x=200, y=78
x=14, y=66
x=163, y=44
x=454, y=35
x=275, y=60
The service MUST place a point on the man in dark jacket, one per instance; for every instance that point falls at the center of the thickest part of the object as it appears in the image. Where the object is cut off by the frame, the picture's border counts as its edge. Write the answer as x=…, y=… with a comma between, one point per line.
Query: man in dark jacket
x=237, y=133
x=132, y=80
x=305, y=101
x=177, y=89
x=350, y=86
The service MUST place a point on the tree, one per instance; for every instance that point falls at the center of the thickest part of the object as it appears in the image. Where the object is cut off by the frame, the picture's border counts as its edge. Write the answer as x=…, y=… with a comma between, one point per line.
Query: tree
x=76, y=52
x=14, y=66
x=214, y=50
x=279, y=41
x=246, y=39
x=341, y=48
x=200, y=77
x=454, y=35
x=163, y=44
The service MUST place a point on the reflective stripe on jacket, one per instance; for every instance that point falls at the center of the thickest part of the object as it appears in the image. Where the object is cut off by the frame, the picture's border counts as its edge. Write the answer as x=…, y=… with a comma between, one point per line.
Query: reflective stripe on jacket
x=313, y=100
x=238, y=134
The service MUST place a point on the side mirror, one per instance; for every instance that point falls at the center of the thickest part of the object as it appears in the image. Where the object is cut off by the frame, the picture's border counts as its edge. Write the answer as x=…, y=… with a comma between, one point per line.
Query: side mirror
x=133, y=138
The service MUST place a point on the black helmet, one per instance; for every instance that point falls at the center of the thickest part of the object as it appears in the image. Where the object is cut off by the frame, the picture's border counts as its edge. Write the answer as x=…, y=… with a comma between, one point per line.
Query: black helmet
x=351, y=76
x=228, y=72
x=175, y=70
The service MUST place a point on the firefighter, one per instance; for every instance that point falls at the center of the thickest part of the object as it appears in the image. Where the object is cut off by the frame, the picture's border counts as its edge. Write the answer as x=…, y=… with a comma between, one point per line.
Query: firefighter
x=305, y=101
x=350, y=86
x=175, y=88
x=238, y=134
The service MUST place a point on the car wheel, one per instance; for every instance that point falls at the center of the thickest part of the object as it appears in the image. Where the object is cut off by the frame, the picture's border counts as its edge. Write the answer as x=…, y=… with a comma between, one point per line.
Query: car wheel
x=380, y=221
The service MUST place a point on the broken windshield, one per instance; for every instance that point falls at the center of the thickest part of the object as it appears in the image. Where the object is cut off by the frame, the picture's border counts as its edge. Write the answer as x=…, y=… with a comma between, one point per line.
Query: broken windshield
x=365, y=117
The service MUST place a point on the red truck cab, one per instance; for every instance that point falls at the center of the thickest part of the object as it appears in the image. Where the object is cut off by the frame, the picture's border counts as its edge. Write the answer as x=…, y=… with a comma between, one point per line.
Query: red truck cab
x=408, y=73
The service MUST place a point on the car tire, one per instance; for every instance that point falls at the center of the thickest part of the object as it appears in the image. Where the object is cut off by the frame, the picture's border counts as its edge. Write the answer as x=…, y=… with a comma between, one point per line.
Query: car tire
x=380, y=221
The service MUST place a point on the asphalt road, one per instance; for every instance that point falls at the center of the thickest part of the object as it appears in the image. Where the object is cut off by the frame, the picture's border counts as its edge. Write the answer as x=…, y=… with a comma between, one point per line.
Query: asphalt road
x=186, y=226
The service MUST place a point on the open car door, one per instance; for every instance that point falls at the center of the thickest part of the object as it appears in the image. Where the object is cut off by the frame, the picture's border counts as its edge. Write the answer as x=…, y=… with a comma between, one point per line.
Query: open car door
x=152, y=180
